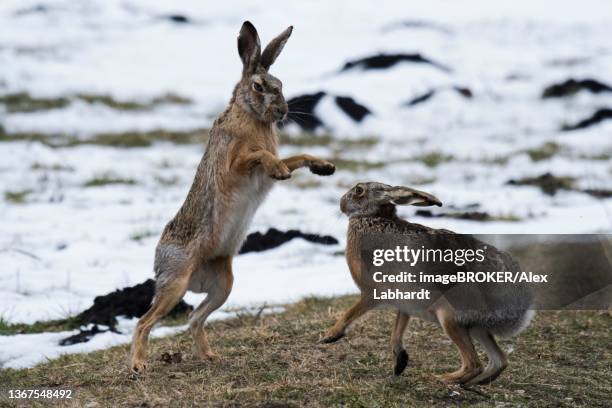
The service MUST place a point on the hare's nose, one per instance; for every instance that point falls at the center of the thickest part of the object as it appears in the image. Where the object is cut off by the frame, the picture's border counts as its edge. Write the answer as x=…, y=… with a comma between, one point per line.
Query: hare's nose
x=343, y=206
x=280, y=112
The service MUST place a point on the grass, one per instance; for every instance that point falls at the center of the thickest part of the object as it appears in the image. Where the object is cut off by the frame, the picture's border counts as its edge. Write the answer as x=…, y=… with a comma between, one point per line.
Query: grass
x=46, y=139
x=496, y=160
x=145, y=139
x=311, y=139
x=419, y=181
x=7, y=329
x=562, y=360
x=356, y=165
x=544, y=152
x=108, y=179
x=133, y=106
x=16, y=197
x=599, y=157
x=24, y=102
x=123, y=139
x=51, y=167
x=140, y=235
x=167, y=181
x=69, y=323
x=433, y=159
x=547, y=182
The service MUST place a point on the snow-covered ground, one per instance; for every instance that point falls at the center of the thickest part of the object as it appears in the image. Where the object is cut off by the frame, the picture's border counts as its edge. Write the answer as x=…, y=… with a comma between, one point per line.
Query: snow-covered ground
x=67, y=243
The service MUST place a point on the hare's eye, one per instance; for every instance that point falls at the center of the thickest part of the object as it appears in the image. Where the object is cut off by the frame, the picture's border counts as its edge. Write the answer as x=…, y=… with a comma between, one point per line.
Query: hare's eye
x=257, y=87
x=359, y=190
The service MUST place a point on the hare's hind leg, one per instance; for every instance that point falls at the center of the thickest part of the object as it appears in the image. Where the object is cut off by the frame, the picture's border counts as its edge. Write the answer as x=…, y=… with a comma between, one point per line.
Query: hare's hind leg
x=338, y=330
x=497, y=359
x=218, y=287
x=470, y=364
x=167, y=295
x=397, y=347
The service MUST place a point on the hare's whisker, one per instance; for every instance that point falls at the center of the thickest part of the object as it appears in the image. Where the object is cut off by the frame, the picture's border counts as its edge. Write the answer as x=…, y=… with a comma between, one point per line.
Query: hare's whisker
x=302, y=113
x=303, y=99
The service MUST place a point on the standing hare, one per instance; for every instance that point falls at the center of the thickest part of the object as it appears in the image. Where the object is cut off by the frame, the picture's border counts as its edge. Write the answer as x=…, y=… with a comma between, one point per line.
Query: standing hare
x=503, y=309
x=234, y=176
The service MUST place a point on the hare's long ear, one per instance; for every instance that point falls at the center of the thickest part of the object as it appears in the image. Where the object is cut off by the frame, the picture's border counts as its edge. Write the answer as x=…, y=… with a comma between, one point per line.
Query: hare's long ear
x=275, y=47
x=409, y=196
x=249, y=47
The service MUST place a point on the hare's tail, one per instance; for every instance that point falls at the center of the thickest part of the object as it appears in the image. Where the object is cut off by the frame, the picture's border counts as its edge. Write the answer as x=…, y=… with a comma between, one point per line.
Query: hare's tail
x=503, y=323
x=515, y=326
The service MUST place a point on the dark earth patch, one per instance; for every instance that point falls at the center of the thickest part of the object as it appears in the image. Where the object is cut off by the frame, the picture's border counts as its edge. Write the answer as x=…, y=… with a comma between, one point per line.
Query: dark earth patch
x=573, y=86
x=83, y=336
x=384, y=61
x=463, y=91
x=599, y=116
x=548, y=183
x=301, y=110
x=133, y=301
x=421, y=98
x=598, y=192
x=353, y=109
x=177, y=18
x=257, y=242
x=24, y=102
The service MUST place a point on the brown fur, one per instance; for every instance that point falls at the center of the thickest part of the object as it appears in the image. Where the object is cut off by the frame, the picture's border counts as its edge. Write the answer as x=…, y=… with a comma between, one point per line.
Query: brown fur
x=236, y=172
x=371, y=210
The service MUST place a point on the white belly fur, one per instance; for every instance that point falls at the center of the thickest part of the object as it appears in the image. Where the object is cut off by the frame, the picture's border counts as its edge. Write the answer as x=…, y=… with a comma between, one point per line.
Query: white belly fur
x=243, y=205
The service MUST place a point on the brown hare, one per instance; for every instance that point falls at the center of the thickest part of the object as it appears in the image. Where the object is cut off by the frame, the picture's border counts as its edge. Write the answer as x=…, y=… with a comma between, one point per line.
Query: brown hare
x=504, y=309
x=234, y=176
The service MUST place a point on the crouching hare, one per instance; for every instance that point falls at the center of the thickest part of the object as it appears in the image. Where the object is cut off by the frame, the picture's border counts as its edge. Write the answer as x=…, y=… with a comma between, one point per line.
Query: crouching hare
x=500, y=309
x=235, y=174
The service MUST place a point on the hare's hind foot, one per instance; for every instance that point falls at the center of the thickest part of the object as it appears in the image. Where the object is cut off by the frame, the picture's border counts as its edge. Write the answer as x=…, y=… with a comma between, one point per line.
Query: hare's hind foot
x=205, y=355
x=138, y=353
x=201, y=349
x=497, y=359
x=332, y=337
x=218, y=290
x=470, y=364
x=461, y=376
x=338, y=330
x=137, y=360
x=167, y=295
x=489, y=375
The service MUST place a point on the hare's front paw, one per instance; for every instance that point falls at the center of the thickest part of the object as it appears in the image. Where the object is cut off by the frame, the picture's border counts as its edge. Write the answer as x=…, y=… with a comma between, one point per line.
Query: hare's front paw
x=322, y=168
x=279, y=171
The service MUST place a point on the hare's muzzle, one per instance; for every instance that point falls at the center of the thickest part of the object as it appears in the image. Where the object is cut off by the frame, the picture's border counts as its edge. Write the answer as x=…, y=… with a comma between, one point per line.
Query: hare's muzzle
x=279, y=113
x=344, y=205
